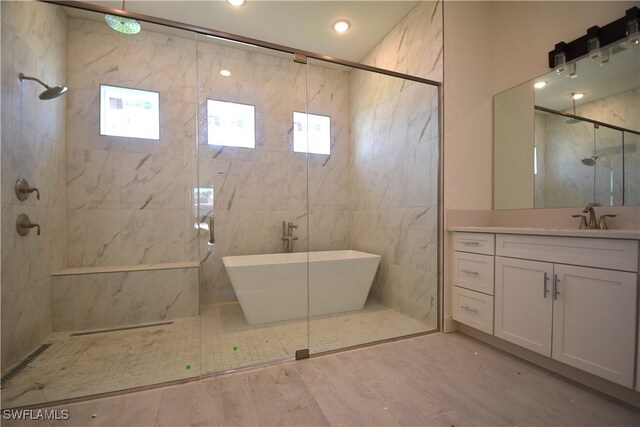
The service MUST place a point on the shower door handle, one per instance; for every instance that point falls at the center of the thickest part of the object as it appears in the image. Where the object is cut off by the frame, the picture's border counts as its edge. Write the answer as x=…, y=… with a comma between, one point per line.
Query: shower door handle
x=212, y=232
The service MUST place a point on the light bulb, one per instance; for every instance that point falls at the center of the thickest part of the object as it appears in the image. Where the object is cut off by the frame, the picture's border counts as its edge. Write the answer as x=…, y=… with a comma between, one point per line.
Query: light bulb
x=577, y=96
x=561, y=64
x=341, y=26
x=225, y=73
x=539, y=85
x=235, y=2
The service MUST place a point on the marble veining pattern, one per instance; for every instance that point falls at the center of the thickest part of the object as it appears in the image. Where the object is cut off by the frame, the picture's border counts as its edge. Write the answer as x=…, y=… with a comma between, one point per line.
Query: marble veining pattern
x=34, y=42
x=130, y=200
x=563, y=180
x=107, y=300
x=393, y=174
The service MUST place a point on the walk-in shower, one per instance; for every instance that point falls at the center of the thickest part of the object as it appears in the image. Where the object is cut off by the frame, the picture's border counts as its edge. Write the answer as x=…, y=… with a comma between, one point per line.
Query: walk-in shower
x=165, y=176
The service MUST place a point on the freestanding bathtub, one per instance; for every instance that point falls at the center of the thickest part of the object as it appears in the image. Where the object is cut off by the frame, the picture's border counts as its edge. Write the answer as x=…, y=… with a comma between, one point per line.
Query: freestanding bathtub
x=273, y=287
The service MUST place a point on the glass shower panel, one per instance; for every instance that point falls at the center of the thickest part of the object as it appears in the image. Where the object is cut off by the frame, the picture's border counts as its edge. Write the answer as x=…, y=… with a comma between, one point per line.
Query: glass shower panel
x=252, y=193
x=568, y=172
x=372, y=207
x=608, y=166
x=115, y=302
x=631, y=155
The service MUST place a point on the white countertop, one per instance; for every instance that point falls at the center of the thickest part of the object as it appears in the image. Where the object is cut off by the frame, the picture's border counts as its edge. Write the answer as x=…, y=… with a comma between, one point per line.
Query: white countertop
x=603, y=234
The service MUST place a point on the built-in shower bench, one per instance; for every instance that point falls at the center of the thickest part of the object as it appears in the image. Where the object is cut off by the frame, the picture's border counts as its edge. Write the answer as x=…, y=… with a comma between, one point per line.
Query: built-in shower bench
x=123, y=295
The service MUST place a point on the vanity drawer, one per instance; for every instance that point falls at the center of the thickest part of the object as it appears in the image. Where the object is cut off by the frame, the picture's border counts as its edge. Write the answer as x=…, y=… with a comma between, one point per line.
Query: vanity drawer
x=473, y=271
x=479, y=243
x=473, y=309
x=602, y=253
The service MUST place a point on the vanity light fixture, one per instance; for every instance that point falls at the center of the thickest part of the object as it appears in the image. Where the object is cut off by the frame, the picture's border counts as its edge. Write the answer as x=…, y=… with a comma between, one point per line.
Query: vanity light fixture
x=225, y=73
x=539, y=85
x=594, y=50
x=236, y=3
x=561, y=62
x=597, y=42
x=341, y=26
x=577, y=95
x=633, y=38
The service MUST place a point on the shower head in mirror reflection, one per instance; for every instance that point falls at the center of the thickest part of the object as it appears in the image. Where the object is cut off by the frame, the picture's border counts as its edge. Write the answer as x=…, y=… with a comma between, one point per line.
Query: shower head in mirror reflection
x=51, y=92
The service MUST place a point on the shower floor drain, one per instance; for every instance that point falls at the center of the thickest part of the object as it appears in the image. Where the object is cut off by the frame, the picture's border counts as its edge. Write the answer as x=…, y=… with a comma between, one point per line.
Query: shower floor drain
x=126, y=328
x=26, y=362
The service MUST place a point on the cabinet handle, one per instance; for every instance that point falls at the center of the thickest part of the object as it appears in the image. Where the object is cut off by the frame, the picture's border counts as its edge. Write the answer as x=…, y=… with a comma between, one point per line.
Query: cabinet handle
x=470, y=243
x=556, y=292
x=546, y=291
x=475, y=273
x=466, y=307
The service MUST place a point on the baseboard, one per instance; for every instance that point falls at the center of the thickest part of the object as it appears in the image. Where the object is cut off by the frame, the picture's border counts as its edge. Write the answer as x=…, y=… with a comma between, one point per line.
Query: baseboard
x=449, y=325
x=622, y=393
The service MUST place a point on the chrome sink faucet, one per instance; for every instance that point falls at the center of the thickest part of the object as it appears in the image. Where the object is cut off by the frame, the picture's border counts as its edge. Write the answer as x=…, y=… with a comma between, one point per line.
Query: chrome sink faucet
x=287, y=236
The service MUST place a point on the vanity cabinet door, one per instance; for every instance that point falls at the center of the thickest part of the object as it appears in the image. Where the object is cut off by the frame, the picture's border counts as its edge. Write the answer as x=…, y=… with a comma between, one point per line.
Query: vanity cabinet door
x=523, y=309
x=594, y=321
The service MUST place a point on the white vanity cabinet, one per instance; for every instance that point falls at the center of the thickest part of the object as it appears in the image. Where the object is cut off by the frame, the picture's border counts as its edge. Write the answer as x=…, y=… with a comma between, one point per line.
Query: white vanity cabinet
x=473, y=280
x=572, y=299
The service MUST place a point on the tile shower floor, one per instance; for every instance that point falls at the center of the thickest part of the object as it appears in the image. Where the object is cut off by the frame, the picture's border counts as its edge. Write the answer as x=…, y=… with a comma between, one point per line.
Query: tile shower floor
x=218, y=340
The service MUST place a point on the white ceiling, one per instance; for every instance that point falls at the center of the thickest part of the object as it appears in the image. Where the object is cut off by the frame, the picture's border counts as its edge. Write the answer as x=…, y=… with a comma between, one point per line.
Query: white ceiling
x=304, y=25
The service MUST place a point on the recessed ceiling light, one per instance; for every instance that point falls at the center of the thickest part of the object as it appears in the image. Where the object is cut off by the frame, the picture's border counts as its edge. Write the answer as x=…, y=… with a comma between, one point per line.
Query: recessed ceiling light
x=341, y=26
x=539, y=85
x=225, y=73
x=235, y=2
x=578, y=95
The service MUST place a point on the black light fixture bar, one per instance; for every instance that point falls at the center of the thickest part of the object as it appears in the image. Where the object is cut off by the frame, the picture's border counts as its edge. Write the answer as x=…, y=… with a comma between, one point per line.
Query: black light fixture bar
x=608, y=34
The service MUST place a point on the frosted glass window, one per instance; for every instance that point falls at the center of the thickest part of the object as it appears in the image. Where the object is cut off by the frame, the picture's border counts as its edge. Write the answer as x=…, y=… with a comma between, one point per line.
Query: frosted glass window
x=311, y=133
x=130, y=113
x=231, y=124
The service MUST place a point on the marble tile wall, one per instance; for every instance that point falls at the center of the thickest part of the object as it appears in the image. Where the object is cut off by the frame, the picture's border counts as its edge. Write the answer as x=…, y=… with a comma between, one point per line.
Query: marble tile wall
x=394, y=164
x=130, y=200
x=107, y=300
x=565, y=181
x=33, y=146
x=256, y=189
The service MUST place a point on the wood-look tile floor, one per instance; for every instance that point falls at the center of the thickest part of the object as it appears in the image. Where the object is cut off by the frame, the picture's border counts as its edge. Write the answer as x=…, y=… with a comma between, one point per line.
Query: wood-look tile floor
x=436, y=379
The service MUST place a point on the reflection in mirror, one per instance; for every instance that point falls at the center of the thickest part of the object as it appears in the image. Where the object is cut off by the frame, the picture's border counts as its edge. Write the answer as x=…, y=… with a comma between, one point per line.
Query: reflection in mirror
x=577, y=137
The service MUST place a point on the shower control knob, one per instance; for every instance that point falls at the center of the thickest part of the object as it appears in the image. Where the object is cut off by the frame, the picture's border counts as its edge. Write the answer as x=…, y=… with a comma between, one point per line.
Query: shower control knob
x=23, y=189
x=24, y=225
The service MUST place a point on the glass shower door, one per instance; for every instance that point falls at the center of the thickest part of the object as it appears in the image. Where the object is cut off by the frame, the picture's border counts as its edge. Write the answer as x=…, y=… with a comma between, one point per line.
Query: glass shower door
x=373, y=184
x=252, y=203
x=609, y=167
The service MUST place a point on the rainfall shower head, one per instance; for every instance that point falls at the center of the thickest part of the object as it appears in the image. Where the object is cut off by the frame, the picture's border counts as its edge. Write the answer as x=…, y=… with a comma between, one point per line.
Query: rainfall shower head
x=589, y=161
x=50, y=92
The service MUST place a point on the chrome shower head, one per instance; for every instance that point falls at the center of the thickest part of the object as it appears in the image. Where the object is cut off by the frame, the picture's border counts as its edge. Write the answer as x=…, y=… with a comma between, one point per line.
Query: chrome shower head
x=50, y=92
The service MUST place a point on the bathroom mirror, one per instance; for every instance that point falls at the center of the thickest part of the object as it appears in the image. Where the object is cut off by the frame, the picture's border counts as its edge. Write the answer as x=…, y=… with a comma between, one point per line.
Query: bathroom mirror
x=568, y=139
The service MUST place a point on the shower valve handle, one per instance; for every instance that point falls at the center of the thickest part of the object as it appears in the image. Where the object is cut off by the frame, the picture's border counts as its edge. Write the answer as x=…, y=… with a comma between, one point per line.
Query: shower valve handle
x=23, y=189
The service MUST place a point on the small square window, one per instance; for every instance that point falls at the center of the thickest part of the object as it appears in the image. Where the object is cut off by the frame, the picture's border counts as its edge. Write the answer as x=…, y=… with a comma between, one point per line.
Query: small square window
x=129, y=113
x=311, y=133
x=231, y=124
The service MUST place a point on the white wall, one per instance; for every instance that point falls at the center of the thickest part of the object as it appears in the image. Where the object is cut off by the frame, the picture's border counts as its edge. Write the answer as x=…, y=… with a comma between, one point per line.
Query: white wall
x=490, y=47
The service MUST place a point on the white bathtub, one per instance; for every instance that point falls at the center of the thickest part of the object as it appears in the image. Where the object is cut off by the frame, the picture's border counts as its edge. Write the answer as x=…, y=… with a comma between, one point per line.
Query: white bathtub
x=273, y=287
